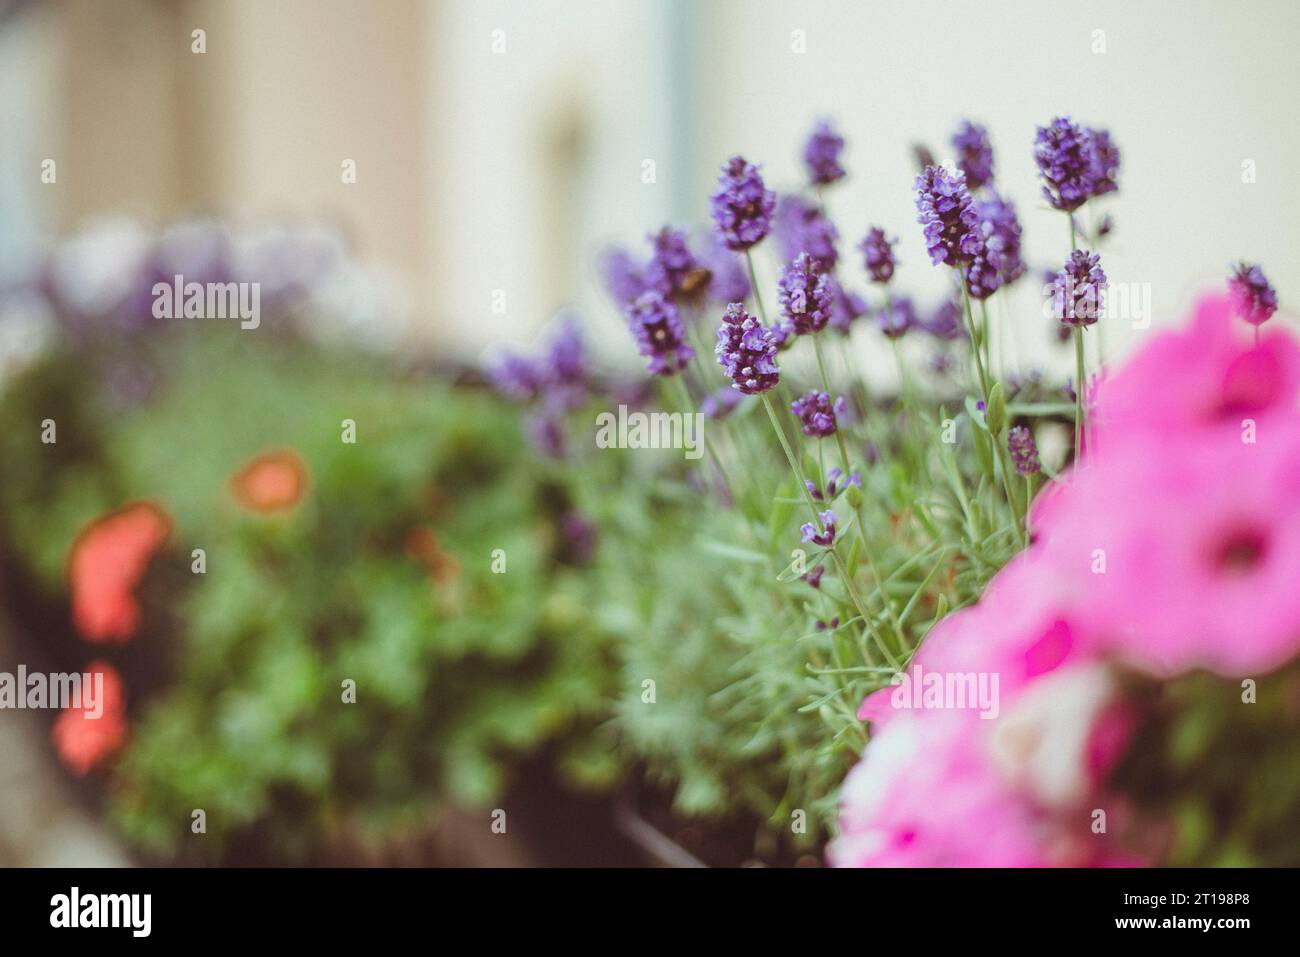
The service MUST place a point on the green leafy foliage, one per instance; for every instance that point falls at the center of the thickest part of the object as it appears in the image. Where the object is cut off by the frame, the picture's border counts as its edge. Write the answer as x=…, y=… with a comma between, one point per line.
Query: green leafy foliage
x=457, y=669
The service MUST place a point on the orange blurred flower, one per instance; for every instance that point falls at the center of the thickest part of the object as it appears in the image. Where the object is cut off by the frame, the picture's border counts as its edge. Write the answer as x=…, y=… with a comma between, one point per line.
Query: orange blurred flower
x=83, y=741
x=107, y=561
x=271, y=482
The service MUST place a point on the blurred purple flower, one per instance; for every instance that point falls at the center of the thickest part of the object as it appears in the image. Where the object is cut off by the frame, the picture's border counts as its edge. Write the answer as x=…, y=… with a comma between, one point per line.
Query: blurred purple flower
x=821, y=154
x=974, y=154
x=801, y=227
x=659, y=334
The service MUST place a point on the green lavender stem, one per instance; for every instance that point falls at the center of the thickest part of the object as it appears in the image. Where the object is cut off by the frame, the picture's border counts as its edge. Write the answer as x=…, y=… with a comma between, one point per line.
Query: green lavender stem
x=843, y=572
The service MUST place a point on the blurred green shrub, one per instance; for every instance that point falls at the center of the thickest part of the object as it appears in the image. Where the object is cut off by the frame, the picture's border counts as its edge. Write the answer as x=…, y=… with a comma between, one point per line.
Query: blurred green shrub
x=382, y=575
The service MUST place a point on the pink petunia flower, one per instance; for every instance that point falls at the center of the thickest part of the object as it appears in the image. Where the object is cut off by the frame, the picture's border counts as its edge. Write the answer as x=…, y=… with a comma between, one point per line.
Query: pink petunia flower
x=1209, y=376
x=1186, y=549
x=1022, y=628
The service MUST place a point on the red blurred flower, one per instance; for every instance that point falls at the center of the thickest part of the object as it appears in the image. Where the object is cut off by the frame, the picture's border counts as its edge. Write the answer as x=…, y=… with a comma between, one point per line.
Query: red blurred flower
x=107, y=561
x=271, y=482
x=84, y=741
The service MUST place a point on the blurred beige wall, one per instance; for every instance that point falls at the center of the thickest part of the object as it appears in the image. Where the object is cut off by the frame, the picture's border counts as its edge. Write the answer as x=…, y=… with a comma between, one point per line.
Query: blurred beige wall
x=259, y=124
x=500, y=142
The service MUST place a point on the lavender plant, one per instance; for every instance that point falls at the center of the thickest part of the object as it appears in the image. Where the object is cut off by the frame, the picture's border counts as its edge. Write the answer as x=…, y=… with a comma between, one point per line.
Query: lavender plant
x=844, y=520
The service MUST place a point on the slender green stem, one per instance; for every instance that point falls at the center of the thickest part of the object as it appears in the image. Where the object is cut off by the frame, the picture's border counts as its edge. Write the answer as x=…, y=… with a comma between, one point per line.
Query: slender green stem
x=1029, y=498
x=969, y=316
x=812, y=505
x=753, y=281
x=986, y=335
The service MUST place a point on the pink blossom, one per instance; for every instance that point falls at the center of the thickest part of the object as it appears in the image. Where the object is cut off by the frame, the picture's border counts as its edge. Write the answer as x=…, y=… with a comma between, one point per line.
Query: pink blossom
x=925, y=796
x=1021, y=628
x=1210, y=375
x=946, y=789
x=1186, y=549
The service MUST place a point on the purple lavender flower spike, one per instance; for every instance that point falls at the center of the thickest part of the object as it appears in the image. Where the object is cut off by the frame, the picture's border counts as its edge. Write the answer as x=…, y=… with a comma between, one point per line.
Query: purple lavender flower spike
x=833, y=485
x=974, y=154
x=878, y=255
x=946, y=322
x=623, y=278
x=816, y=413
x=516, y=377
x=897, y=317
x=1078, y=292
x=728, y=277
x=846, y=307
x=1105, y=163
x=1024, y=453
x=747, y=351
x=1001, y=229
x=1253, y=297
x=948, y=215
x=982, y=278
x=564, y=377
x=1076, y=164
x=805, y=294
x=659, y=335
x=742, y=205
x=824, y=538
x=567, y=354
x=673, y=268
x=800, y=227
x=821, y=154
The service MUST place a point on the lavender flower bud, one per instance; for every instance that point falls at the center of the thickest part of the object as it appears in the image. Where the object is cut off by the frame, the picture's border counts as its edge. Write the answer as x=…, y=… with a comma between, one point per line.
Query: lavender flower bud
x=824, y=538
x=878, y=255
x=1079, y=290
x=821, y=154
x=946, y=322
x=982, y=279
x=659, y=335
x=974, y=154
x=816, y=413
x=1024, y=453
x=1001, y=229
x=1253, y=297
x=516, y=377
x=673, y=268
x=742, y=206
x=1076, y=164
x=1105, y=163
x=846, y=307
x=951, y=226
x=897, y=317
x=728, y=277
x=805, y=294
x=623, y=279
x=803, y=228
x=747, y=351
